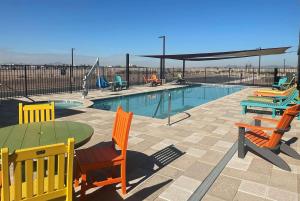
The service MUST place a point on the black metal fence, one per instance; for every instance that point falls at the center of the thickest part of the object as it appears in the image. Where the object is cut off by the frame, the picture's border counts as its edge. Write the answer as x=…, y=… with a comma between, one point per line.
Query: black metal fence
x=26, y=80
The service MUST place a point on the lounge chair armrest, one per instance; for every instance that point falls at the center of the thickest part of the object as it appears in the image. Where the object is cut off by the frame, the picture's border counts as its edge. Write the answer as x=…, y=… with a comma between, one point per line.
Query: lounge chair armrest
x=265, y=119
x=280, y=130
x=251, y=127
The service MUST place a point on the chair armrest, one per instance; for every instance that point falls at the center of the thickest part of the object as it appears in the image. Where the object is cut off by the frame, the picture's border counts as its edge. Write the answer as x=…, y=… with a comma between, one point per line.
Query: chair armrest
x=251, y=127
x=265, y=119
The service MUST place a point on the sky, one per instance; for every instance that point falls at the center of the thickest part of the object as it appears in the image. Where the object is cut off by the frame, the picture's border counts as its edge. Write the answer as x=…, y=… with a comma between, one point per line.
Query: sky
x=37, y=32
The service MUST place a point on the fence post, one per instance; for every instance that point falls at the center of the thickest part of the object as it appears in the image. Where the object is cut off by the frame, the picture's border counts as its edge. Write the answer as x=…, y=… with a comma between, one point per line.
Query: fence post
x=205, y=74
x=253, y=76
x=169, y=109
x=275, y=74
x=26, y=91
x=127, y=70
x=70, y=79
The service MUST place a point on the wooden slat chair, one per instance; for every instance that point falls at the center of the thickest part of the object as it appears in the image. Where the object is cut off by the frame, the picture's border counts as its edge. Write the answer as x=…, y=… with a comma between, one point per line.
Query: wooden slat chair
x=43, y=182
x=154, y=80
x=256, y=138
x=96, y=158
x=36, y=113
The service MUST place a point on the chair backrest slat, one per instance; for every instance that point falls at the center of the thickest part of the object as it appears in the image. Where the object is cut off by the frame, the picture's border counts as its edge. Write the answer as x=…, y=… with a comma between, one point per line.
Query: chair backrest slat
x=283, y=124
x=29, y=178
x=282, y=80
x=51, y=168
x=60, y=171
x=40, y=176
x=292, y=95
x=42, y=116
x=17, y=180
x=36, y=113
x=121, y=129
x=38, y=182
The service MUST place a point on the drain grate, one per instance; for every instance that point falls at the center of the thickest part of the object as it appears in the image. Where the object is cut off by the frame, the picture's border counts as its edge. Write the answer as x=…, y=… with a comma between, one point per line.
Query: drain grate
x=213, y=175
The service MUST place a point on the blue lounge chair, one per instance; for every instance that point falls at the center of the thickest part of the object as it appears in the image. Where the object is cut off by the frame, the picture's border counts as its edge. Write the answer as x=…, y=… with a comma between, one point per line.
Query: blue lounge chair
x=119, y=83
x=278, y=85
x=102, y=82
x=276, y=103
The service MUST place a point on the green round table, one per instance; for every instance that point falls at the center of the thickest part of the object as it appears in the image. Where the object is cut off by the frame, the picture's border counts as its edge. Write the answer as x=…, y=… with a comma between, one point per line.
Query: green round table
x=44, y=133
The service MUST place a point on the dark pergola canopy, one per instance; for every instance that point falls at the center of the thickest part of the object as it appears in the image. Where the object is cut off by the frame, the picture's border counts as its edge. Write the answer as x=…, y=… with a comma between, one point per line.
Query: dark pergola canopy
x=221, y=55
x=216, y=56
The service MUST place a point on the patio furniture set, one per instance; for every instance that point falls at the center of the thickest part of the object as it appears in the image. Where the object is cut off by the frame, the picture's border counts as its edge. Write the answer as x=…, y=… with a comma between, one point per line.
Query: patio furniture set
x=38, y=157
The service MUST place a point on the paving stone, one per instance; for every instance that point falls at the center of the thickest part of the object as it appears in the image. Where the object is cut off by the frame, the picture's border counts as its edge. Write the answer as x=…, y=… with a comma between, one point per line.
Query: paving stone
x=212, y=157
x=193, y=139
x=260, y=165
x=281, y=195
x=284, y=180
x=196, y=152
x=198, y=170
x=225, y=187
x=253, y=188
x=241, y=196
x=170, y=172
x=208, y=197
x=151, y=188
x=174, y=193
x=186, y=183
x=183, y=162
x=135, y=140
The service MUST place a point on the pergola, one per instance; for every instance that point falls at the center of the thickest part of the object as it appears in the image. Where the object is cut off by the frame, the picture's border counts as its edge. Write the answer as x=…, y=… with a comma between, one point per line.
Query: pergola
x=216, y=56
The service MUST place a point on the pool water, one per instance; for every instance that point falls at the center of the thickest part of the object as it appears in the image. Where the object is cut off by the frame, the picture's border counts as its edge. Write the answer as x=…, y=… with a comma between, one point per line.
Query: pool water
x=182, y=99
x=67, y=104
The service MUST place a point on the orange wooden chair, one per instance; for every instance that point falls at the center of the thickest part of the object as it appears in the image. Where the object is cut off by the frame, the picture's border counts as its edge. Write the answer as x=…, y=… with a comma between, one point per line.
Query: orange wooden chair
x=95, y=158
x=154, y=80
x=257, y=139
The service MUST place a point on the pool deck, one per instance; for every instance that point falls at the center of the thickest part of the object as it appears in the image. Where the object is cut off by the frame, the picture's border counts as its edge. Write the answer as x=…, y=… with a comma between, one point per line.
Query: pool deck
x=198, y=143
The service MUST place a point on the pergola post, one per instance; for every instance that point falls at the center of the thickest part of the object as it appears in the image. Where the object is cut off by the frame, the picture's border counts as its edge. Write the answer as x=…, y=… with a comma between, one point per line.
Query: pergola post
x=183, y=68
x=259, y=60
x=161, y=70
x=298, y=67
x=127, y=70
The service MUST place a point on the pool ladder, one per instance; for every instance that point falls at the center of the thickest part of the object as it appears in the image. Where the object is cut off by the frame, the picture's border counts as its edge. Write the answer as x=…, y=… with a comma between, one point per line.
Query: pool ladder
x=169, y=106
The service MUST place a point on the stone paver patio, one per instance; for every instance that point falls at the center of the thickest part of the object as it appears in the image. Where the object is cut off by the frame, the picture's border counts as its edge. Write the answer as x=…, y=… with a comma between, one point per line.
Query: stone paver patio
x=198, y=143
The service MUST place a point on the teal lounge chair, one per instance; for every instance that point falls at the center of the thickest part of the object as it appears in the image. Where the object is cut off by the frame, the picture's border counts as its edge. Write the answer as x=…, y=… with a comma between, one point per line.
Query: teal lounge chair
x=276, y=103
x=278, y=85
x=288, y=85
x=119, y=83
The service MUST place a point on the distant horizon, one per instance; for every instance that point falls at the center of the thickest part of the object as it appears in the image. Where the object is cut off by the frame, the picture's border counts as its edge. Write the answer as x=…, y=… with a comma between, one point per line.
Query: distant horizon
x=10, y=57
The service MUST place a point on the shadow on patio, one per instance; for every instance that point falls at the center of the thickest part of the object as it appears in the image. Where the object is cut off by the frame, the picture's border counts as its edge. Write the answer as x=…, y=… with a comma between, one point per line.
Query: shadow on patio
x=140, y=167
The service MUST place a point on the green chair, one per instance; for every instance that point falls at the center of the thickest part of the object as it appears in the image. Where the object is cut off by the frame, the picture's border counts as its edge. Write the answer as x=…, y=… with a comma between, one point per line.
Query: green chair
x=275, y=103
x=119, y=83
x=281, y=81
x=288, y=85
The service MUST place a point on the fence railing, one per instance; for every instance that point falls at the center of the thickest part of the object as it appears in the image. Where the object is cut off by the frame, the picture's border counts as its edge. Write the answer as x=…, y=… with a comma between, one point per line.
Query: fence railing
x=26, y=80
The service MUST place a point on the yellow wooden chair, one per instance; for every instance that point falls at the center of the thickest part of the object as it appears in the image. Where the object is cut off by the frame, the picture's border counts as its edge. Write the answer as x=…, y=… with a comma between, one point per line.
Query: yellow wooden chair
x=36, y=113
x=45, y=182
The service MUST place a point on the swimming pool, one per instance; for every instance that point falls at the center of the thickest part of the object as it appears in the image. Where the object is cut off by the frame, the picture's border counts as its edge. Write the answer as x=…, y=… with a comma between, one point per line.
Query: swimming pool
x=64, y=104
x=185, y=98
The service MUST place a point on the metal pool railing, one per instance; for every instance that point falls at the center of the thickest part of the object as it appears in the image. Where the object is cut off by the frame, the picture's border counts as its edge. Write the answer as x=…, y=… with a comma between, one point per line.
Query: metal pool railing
x=169, y=105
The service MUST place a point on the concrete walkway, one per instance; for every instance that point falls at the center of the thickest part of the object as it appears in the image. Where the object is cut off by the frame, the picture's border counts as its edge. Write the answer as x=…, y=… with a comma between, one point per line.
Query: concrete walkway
x=170, y=162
